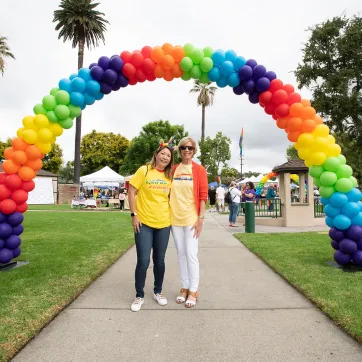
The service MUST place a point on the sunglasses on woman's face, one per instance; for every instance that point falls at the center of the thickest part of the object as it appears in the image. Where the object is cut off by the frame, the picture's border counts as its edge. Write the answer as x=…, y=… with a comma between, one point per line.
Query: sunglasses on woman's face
x=190, y=148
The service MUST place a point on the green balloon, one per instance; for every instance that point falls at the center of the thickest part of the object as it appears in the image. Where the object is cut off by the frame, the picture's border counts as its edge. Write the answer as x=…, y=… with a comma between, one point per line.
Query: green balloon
x=54, y=91
x=208, y=52
x=186, y=64
x=74, y=111
x=332, y=164
x=326, y=191
x=39, y=109
x=188, y=48
x=317, y=182
x=186, y=76
x=354, y=181
x=63, y=97
x=195, y=72
x=204, y=78
x=342, y=159
x=66, y=123
x=49, y=102
x=316, y=171
x=62, y=112
x=344, y=171
x=328, y=178
x=343, y=185
x=52, y=117
x=206, y=64
x=197, y=55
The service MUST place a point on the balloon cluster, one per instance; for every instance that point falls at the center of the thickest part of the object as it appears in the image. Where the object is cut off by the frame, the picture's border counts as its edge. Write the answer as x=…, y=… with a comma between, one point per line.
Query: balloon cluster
x=294, y=178
x=262, y=182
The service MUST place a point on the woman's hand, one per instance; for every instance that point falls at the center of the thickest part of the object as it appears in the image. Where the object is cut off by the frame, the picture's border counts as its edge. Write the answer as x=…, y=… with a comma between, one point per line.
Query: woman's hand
x=136, y=223
x=197, y=227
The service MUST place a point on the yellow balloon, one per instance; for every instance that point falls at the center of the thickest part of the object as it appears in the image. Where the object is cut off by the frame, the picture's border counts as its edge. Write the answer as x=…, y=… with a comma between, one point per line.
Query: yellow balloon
x=317, y=158
x=320, y=144
x=307, y=163
x=305, y=140
x=56, y=129
x=331, y=139
x=44, y=147
x=30, y=136
x=28, y=122
x=45, y=135
x=41, y=121
x=53, y=140
x=20, y=132
x=297, y=146
x=321, y=131
x=334, y=150
x=305, y=153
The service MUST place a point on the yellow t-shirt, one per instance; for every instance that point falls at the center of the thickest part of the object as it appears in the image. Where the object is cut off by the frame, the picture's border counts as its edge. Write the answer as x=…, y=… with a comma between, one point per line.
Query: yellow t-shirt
x=152, y=203
x=182, y=201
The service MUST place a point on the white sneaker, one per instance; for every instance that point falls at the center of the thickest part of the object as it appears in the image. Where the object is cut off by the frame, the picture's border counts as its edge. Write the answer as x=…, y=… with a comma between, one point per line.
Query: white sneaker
x=160, y=298
x=137, y=304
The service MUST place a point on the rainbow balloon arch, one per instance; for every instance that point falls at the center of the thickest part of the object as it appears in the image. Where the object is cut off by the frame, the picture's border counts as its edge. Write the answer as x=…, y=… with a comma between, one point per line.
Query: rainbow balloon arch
x=315, y=145
x=269, y=176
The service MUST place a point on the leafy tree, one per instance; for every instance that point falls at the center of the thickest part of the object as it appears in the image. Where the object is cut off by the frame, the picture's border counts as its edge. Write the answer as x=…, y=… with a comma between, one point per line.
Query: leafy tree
x=332, y=68
x=53, y=161
x=292, y=153
x=100, y=149
x=230, y=172
x=143, y=146
x=3, y=147
x=4, y=53
x=79, y=22
x=250, y=174
x=66, y=173
x=205, y=98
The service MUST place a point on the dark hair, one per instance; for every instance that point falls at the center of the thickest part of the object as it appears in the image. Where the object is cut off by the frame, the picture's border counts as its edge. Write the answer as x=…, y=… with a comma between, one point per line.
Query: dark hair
x=251, y=185
x=169, y=167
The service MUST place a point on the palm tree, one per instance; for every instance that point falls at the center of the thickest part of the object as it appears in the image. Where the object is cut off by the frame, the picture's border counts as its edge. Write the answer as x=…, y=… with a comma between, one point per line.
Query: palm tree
x=205, y=98
x=4, y=53
x=78, y=22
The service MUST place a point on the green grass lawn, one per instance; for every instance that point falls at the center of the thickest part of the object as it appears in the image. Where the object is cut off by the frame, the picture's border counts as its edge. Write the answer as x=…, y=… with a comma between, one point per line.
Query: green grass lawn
x=66, y=207
x=66, y=251
x=301, y=259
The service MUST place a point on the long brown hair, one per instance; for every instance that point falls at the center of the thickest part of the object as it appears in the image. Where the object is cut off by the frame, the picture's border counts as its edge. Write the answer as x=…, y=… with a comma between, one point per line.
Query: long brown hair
x=169, y=167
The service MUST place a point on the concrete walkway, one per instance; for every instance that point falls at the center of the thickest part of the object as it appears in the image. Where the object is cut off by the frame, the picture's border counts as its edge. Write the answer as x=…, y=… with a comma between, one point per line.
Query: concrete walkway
x=246, y=312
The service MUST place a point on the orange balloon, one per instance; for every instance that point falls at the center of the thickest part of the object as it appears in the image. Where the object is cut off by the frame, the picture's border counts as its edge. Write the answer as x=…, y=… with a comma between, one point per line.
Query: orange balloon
x=296, y=110
x=157, y=54
x=33, y=152
x=282, y=122
x=318, y=120
x=36, y=165
x=19, y=157
x=307, y=126
x=10, y=167
x=293, y=136
x=178, y=53
x=305, y=102
x=167, y=48
x=8, y=153
x=167, y=62
x=19, y=144
x=26, y=173
x=294, y=124
x=167, y=75
x=309, y=113
x=158, y=72
x=176, y=71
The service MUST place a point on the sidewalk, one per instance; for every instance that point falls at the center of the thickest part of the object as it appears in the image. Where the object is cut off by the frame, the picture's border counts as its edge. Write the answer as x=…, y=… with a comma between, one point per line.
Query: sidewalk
x=246, y=312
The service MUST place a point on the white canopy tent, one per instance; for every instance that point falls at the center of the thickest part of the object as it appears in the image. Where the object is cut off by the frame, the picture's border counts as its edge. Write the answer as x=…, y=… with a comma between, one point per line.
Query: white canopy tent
x=105, y=177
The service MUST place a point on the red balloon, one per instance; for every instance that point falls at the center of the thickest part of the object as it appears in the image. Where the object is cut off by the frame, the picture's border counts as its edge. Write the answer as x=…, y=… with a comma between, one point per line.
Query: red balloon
x=137, y=58
x=13, y=182
x=3, y=176
x=282, y=110
x=132, y=81
x=5, y=193
x=28, y=185
x=22, y=207
x=280, y=96
x=288, y=88
x=7, y=206
x=126, y=56
x=274, y=117
x=140, y=76
x=270, y=108
x=265, y=97
x=129, y=70
x=293, y=98
x=275, y=85
x=146, y=51
x=148, y=65
x=19, y=196
x=151, y=76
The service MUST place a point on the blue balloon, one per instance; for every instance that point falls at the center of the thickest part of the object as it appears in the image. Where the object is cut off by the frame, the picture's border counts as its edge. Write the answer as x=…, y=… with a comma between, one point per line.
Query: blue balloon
x=357, y=220
x=271, y=75
x=83, y=107
x=238, y=90
x=105, y=88
x=329, y=221
x=92, y=65
x=254, y=97
x=341, y=258
x=227, y=68
x=99, y=96
x=233, y=80
x=354, y=195
x=65, y=84
x=338, y=199
x=324, y=201
x=18, y=230
x=85, y=74
x=116, y=63
x=245, y=73
x=359, y=203
x=77, y=99
x=249, y=86
x=214, y=74
x=97, y=73
x=104, y=62
x=230, y=55
x=238, y=63
x=262, y=84
x=218, y=57
x=79, y=85
x=74, y=75
x=88, y=99
x=342, y=222
x=2, y=217
x=331, y=211
x=122, y=81
x=222, y=82
x=110, y=76
x=93, y=87
x=351, y=209
x=259, y=71
x=251, y=63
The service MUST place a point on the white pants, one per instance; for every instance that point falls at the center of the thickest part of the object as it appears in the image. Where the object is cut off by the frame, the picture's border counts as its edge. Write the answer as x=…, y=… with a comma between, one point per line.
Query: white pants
x=187, y=249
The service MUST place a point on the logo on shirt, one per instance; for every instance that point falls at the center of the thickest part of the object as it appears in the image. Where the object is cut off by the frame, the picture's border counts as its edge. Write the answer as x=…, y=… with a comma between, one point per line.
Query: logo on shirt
x=183, y=177
x=158, y=184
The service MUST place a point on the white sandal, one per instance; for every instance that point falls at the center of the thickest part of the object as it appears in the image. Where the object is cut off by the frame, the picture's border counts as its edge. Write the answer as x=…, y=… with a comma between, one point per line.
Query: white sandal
x=191, y=303
x=181, y=299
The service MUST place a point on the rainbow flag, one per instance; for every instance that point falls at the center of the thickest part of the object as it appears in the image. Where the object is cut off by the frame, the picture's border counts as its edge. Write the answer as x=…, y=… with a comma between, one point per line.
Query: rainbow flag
x=241, y=139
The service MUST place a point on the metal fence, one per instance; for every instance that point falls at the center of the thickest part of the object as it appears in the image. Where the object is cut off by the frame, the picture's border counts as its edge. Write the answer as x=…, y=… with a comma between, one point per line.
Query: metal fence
x=318, y=208
x=266, y=208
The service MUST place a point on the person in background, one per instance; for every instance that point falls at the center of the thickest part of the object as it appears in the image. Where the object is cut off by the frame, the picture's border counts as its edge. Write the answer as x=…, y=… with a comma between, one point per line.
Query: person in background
x=212, y=198
x=187, y=201
x=235, y=194
x=122, y=197
x=150, y=213
x=220, y=195
x=270, y=195
x=249, y=192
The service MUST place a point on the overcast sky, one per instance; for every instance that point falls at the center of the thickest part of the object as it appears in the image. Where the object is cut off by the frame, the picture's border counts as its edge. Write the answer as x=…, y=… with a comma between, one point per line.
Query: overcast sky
x=272, y=32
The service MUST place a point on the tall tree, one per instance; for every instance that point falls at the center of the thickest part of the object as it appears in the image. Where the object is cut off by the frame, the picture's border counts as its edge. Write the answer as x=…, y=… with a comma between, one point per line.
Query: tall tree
x=79, y=22
x=292, y=153
x=4, y=53
x=100, y=149
x=205, y=98
x=143, y=146
x=53, y=160
x=332, y=68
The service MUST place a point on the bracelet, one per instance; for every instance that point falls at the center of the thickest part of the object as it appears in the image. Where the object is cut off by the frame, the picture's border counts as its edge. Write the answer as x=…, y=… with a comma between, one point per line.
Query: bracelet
x=202, y=217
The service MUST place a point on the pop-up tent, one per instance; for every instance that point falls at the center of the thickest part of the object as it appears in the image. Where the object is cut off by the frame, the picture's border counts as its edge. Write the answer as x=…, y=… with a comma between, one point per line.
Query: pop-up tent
x=104, y=177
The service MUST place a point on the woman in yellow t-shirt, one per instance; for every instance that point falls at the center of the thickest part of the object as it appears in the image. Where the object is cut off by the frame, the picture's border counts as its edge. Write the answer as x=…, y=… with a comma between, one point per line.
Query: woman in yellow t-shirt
x=151, y=221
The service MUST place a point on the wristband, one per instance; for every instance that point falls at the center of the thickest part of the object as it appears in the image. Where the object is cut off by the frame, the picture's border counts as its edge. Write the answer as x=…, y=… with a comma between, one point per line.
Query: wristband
x=202, y=217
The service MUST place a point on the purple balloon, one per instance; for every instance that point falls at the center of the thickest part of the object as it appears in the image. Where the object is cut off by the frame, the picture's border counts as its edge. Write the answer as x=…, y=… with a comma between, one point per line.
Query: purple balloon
x=110, y=76
x=357, y=257
x=336, y=234
x=105, y=88
x=5, y=230
x=116, y=63
x=16, y=252
x=12, y=242
x=122, y=81
x=335, y=244
x=251, y=63
x=259, y=71
x=5, y=256
x=15, y=219
x=271, y=75
x=18, y=230
x=92, y=65
x=249, y=86
x=254, y=97
x=262, y=84
x=115, y=87
x=104, y=62
x=245, y=73
x=238, y=90
x=359, y=245
x=354, y=232
x=2, y=217
x=341, y=258
x=347, y=246
x=97, y=73
x=2, y=243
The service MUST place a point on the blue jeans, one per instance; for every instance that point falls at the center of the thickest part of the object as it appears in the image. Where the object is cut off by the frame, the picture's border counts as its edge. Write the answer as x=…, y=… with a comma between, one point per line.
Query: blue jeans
x=234, y=209
x=146, y=240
